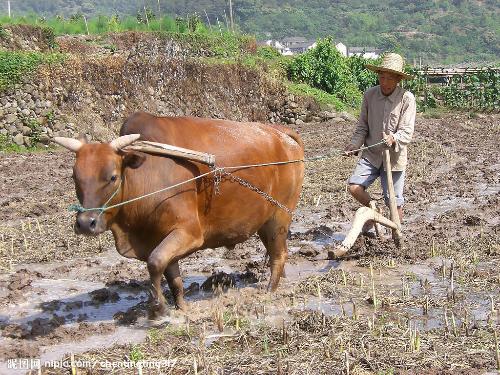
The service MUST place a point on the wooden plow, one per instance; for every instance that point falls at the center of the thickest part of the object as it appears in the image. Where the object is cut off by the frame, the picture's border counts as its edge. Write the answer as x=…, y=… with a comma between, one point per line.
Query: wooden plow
x=364, y=214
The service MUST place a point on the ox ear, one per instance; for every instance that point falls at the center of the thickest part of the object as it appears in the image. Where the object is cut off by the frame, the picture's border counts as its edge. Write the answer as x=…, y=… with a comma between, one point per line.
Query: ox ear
x=132, y=159
x=69, y=143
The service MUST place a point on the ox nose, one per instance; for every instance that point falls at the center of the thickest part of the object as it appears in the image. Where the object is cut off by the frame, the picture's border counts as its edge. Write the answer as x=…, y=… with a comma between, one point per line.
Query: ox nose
x=86, y=223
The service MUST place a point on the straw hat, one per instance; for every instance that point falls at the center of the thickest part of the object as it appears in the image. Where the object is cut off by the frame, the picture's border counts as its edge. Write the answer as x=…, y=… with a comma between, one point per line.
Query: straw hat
x=393, y=63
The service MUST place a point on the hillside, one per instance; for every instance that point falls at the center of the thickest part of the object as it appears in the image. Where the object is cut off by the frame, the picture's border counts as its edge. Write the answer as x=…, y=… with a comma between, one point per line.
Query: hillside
x=438, y=31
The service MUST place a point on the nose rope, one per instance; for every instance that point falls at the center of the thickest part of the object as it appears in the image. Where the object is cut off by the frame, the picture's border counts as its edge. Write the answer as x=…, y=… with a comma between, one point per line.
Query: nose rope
x=79, y=208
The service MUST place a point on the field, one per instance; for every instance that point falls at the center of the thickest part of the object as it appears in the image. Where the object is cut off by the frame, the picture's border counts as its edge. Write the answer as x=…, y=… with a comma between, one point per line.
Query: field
x=431, y=307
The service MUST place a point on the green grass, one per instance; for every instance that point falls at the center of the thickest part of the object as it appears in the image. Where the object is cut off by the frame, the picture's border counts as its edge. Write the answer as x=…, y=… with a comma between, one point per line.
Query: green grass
x=320, y=96
x=15, y=66
x=9, y=147
x=103, y=24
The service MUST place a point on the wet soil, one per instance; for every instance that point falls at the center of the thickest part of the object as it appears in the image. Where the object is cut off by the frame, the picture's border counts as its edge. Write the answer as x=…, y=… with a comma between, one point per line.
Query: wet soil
x=430, y=306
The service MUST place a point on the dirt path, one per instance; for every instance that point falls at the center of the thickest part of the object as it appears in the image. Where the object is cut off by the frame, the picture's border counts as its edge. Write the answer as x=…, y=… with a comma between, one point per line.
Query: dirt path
x=428, y=308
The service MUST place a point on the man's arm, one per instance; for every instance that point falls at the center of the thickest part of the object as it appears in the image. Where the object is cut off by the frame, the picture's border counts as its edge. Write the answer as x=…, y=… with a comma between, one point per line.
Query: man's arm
x=406, y=122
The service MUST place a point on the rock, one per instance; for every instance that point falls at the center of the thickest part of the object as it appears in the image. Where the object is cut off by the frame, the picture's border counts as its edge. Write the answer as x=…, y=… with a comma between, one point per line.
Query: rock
x=4, y=131
x=26, y=130
x=18, y=139
x=11, y=118
x=151, y=91
x=299, y=122
x=308, y=251
x=348, y=117
x=328, y=115
x=44, y=138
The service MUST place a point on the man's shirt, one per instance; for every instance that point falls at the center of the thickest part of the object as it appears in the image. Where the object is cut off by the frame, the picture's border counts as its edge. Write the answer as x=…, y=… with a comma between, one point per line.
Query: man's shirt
x=379, y=113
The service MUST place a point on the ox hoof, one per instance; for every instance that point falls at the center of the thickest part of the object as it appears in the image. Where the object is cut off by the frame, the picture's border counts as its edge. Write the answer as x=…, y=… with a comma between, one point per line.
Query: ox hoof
x=157, y=311
x=182, y=305
x=337, y=253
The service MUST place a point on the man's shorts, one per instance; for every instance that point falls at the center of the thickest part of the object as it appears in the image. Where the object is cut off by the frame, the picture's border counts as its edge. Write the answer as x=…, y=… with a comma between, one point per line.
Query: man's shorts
x=365, y=174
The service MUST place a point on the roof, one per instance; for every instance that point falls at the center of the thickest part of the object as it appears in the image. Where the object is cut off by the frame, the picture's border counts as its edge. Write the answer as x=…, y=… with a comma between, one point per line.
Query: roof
x=304, y=45
x=362, y=49
x=294, y=39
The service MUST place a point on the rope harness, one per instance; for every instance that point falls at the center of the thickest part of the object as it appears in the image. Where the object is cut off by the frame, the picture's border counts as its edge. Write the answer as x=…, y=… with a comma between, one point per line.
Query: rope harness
x=219, y=173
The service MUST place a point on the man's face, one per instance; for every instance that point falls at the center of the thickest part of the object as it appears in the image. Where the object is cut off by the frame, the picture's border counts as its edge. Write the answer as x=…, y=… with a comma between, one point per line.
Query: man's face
x=388, y=82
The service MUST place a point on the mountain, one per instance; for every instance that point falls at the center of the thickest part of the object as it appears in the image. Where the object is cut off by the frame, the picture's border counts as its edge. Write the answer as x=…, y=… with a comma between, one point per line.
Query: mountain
x=433, y=31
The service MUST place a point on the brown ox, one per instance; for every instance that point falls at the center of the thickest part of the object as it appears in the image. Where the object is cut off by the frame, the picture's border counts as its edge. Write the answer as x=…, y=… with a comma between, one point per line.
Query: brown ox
x=166, y=227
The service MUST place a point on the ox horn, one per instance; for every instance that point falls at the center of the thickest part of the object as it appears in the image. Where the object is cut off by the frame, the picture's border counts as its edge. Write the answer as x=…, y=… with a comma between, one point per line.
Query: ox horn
x=69, y=143
x=124, y=141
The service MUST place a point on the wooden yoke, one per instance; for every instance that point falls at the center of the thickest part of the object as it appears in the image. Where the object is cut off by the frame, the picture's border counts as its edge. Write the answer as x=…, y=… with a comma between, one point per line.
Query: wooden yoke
x=169, y=150
x=393, y=208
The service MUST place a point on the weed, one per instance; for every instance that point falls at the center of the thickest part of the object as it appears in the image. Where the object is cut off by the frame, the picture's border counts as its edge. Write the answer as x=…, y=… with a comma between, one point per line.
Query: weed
x=136, y=353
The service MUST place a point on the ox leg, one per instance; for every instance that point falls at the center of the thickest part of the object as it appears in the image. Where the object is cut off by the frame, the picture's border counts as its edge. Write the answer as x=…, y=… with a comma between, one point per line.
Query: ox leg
x=273, y=235
x=173, y=276
x=174, y=246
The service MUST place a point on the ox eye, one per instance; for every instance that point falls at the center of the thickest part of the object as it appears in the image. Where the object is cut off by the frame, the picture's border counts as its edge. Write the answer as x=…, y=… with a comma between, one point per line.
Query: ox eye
x=113, y=178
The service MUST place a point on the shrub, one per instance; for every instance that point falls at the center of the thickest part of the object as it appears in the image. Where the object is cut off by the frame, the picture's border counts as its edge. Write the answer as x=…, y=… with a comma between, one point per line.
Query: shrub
x=325, y=68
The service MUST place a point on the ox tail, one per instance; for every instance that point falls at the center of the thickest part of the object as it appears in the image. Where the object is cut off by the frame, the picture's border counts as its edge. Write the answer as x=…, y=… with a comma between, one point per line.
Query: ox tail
x=291, y=133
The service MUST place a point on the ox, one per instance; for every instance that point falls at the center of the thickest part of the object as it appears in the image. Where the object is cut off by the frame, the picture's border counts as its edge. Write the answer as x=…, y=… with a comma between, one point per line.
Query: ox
x=208, y=212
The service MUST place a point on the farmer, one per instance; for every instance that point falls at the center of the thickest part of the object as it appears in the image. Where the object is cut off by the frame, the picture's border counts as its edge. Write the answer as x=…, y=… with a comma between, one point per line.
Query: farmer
x=388, y=116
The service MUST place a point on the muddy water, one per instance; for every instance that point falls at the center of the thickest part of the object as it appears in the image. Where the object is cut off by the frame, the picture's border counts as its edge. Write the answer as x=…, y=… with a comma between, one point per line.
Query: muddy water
x=75, y=291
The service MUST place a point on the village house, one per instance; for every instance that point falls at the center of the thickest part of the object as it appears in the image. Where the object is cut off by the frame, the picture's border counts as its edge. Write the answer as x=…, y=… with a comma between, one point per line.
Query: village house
x=296, y=45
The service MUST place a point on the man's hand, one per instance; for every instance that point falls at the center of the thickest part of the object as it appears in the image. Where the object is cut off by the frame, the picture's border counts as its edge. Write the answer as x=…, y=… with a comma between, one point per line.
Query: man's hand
x=348, y=150
x=389, y=139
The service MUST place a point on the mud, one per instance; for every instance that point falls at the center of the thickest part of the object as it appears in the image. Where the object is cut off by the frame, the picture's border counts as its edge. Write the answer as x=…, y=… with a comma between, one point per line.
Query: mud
x=430, y=307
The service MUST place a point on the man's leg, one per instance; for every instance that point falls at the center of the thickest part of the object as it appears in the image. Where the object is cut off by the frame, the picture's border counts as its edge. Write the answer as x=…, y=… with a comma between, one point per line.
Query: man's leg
x=363, y=176
x=360, y=194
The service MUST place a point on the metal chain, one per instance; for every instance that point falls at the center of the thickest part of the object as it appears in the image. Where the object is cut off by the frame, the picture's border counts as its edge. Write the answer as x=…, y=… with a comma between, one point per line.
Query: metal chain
x=248, y=185
x=217, y=178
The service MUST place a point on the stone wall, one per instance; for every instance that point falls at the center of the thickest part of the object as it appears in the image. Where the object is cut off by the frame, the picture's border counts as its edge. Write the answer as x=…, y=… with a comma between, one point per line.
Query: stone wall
x=96, y=89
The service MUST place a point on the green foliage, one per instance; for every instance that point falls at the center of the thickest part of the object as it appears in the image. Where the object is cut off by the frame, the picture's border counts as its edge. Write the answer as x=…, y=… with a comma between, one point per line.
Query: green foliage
x=3, y=33
x=440, y=32
x=136, y=353
x=324, y=68
x=477, y=91
x=15, y=66
x=36, y=129
x=365, y=78
x=268, y=53
x=6, y=145
x=320, y=96
x=469, y=91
